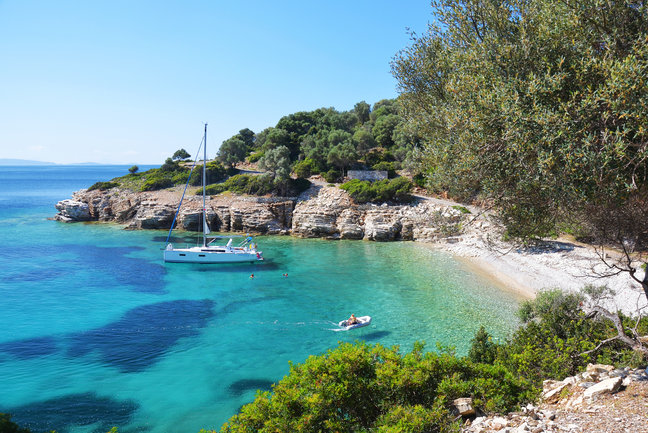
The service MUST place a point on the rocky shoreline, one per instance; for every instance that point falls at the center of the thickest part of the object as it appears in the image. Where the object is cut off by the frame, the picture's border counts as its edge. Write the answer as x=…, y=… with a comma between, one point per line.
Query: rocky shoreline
x=600, y=399
x=328, y=212
x=322, y=211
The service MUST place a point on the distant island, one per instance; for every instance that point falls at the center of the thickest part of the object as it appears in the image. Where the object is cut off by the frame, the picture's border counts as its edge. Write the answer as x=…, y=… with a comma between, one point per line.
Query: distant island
x=11, y=161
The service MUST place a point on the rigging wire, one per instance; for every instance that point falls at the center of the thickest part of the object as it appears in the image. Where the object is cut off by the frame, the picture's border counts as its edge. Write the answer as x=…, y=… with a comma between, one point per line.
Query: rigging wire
x=202, y=141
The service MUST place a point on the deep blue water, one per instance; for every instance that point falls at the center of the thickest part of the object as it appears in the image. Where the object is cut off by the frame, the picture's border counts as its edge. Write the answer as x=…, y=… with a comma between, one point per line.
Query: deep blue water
x=96, y=331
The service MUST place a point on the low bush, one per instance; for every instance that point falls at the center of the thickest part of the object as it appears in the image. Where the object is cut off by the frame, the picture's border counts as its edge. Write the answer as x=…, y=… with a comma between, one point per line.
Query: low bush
x=306, y=168
x=419, y=180
x=389, y=167
x=156, y=183
x=332, y=176
x=554, y=339
x=102, y=186
x=258, y=185
x=363, y=191
x=215, y=172
x=362, y=387
x=255, y=156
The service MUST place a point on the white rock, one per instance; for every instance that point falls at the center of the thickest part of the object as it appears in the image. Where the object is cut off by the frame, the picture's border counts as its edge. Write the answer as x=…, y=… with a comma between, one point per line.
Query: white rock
x=605, y=387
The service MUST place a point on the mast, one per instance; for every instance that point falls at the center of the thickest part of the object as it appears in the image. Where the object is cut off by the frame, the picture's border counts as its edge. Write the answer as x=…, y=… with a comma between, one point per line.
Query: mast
x=204, y=181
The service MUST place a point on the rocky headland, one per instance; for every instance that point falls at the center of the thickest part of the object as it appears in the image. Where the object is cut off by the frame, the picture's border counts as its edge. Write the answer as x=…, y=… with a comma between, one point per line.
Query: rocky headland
x=322, y=211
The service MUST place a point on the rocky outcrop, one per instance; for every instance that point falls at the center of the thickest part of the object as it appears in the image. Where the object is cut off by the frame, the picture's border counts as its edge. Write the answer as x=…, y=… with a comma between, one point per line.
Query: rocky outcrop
x=322, y=212
x=588, y=401
x=332, y=214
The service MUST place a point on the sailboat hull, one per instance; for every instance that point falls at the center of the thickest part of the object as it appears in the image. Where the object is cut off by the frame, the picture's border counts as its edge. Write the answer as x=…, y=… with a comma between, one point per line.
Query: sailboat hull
x=211, y=255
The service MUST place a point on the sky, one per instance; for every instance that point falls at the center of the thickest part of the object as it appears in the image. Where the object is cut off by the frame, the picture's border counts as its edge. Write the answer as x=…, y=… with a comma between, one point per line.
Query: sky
x=132, y=81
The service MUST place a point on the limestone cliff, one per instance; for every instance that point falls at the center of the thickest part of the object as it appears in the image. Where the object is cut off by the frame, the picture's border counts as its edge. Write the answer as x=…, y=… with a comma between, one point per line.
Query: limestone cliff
x=324, y=211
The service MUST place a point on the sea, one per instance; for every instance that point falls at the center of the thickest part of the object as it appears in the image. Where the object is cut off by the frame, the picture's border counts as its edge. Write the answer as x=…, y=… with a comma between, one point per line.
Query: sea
x=96, y=331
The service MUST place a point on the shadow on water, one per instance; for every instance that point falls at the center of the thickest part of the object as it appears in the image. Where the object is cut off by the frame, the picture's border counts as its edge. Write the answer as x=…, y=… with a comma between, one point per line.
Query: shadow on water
x=144, y=334
x=148, y=276
x=240, y=387
x=30, y=348
x=74, y=410
x=376, y=335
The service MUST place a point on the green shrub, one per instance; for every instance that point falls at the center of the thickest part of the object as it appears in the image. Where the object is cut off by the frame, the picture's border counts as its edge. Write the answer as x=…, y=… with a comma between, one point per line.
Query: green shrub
x=305, y=168
x=243, y=184
x=461, y=209
x=156, y=183
x=332, y=176
x=377, y=155
x=361, y=387
x=555, y=335
x=389, y=167
x=215, y=172
x=258, y=185
x=482, y=348
x=102, y=186
x=170, y=165
x=363, y=191
x=255, y=156
x=419, y=180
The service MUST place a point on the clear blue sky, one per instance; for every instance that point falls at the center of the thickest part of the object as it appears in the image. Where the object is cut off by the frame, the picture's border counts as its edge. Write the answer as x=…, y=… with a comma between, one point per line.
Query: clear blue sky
x=132, y=81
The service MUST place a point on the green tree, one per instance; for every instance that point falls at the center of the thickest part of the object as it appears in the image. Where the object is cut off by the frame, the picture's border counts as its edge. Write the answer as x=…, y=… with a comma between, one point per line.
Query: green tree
x=362, y=111
x=363, y=140
x=537, y=107
x=232, y=151
x=180, y=155
x=482, y=348
x=277, y=162
x=276, y=137
x=342, y=155
x=248, y=137
x=384, y=128
x=134, y=169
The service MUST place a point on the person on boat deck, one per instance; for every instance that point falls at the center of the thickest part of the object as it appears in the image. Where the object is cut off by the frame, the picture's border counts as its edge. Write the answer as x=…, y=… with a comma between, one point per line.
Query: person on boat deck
x=352, y=320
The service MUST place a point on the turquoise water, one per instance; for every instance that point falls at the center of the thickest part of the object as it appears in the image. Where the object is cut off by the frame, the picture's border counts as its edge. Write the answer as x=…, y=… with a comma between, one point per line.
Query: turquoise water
x=96, y=331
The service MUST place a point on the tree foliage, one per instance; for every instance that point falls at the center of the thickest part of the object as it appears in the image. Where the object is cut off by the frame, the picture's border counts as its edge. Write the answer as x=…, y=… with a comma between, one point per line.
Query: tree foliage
x=232, y=151
x=277, y=162
x=538, y=106
x=180, y=155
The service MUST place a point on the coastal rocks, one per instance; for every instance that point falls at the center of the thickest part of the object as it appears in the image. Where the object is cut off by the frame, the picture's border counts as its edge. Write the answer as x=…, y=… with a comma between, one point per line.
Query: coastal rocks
x=326, y=211
x=382, y=224
x=350, y=224
x=317, y=216
x=576, y=404
x=72, y=210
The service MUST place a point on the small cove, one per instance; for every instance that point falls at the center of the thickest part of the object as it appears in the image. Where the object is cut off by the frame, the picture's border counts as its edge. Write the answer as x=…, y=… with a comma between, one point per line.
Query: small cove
x=94, y=323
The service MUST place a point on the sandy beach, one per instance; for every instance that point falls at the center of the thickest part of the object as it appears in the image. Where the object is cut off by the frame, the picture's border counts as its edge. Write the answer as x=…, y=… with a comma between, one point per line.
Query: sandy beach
x=559, y=263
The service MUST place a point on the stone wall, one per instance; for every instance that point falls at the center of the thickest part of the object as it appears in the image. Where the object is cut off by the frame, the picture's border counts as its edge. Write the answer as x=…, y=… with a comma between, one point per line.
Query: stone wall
x=370, y=175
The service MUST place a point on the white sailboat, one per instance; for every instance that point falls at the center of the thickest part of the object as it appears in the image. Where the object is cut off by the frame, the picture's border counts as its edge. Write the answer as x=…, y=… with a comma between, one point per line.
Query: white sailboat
x=207, y=253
